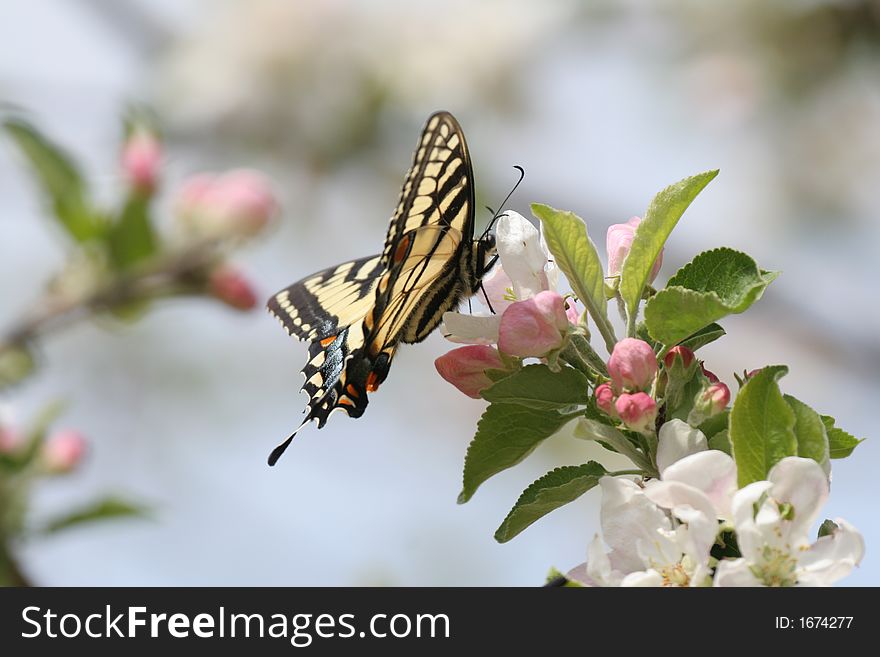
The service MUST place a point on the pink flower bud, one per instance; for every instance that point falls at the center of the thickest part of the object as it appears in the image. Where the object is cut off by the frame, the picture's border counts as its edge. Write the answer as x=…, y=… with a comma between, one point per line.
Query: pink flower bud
x=534, y=327
x=638, y=411
x=10, y=440
x=751, y=374
x=465, y=367
x=230, y=286
x=605, y=399
x=709, y=375
x=63, y=451
x=236, y=204
x=632, y=365
x=684, y=355
x=141, y=160
x=619, y=241
x=715, y=399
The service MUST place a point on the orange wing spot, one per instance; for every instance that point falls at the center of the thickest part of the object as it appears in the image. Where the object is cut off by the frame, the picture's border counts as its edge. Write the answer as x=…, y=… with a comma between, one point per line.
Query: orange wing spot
x=351, y=391
x=345, y=401
x=372, y=382
x=327, y=341
x=400, y=251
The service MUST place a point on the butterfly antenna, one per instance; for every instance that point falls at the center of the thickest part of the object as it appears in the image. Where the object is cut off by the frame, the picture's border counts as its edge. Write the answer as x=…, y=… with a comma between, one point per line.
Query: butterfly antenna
x=496, y=216
x=486, y=297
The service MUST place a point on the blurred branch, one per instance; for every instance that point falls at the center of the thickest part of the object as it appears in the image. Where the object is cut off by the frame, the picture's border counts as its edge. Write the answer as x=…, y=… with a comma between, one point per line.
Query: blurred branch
x=175, y=273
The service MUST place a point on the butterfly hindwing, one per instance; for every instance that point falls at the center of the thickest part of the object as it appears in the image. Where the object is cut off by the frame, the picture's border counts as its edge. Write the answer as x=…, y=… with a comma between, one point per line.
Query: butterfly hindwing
x=319, y=305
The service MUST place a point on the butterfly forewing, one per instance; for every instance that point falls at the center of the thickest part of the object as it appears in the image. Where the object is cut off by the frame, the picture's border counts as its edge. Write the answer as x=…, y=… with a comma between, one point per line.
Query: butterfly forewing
x=438, y=189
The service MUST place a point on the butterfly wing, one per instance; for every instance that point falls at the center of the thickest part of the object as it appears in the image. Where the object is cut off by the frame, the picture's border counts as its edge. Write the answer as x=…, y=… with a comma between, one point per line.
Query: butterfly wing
x=328, y=308
x=438, y=189
x=320, y=305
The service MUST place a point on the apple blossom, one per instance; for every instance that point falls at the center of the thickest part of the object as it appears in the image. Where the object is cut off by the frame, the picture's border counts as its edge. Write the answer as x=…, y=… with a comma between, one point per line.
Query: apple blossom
x=524, y=270
x=141, y=160
x=465, y=368
x=632, y=365
x=232, y=288
x=534, y=327
x=772, y=520
x=63, y=451
x=637, y=410
x=239, y=203
x=650, y=545
x=618, y=244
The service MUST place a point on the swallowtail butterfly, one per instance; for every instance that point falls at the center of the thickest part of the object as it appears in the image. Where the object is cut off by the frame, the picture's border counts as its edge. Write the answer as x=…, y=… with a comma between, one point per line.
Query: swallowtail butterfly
x=356, y=314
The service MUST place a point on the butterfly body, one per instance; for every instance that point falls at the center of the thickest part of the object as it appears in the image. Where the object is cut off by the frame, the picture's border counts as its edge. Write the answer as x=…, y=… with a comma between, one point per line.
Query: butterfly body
x=356, y=314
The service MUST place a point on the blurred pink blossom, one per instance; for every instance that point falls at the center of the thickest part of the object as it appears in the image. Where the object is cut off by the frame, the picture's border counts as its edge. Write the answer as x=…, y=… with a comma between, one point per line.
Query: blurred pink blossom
x=534, y=327
x=465, y=367
x=141, y=160
x=232, y=287
x=10, y=440
x=63, y=451
x=239, y=203
x=638, y=411
x=618, y=243
x=632, y=365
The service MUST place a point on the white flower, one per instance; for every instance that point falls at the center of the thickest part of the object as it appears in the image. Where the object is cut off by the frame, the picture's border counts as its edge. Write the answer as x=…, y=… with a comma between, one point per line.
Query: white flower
x=651, y=544
x=683, y=457
x=525, y=269
x=772, y=519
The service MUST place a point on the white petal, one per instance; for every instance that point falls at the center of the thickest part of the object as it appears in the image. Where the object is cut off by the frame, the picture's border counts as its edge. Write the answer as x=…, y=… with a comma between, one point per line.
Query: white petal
x=630, y=523
x=676, y=440
x=522, y=257
x=832, y=557
x=497, y=285
x=643, y=578
x=802, y=483
x=750, y=534
x=598, y=567
x=470, y=329
x=693, y=508
x=735, y=572
x=713, y=472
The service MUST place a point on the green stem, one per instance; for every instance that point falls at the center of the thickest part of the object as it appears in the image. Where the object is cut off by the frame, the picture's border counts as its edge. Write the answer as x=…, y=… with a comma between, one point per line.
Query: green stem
x=621, y=473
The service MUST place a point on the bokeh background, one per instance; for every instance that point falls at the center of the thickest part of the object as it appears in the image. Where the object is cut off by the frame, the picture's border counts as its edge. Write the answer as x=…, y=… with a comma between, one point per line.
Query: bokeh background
x=602, y=103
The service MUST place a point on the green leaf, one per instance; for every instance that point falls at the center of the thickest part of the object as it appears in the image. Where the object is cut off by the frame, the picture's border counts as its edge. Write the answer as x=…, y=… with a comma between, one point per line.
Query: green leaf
x=703, y=337
x=557, y=578
x=660, y=218
x=721, y=442
x=827, y=528
x=576, y=255
x=108, y=508
x=840, y=443
x=536, y=386
x=812, y=439
x=132, y=239
x=761, y=426
x=59, y=177
x=555, y=489
x=713, y=285
x=506, y=434
x=715, y=424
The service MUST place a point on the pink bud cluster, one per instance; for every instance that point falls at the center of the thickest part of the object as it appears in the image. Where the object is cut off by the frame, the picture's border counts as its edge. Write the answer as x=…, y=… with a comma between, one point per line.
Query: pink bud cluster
x=632, y=369
x=532, y=328
x=235, y=204
x=63, y=451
